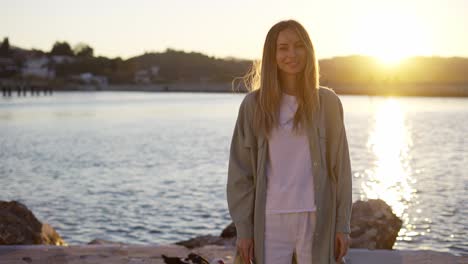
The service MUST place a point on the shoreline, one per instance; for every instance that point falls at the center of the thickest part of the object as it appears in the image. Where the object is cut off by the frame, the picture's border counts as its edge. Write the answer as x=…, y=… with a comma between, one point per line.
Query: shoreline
x=369, y=89
x=403, y=90
x=152, y=254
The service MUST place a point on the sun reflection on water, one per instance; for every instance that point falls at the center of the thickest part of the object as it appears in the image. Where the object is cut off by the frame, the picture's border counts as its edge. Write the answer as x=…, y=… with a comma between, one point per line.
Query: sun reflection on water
x=390, y=177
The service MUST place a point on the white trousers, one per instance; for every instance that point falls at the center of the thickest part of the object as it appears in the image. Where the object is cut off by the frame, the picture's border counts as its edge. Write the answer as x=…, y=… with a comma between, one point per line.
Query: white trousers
x=286, y=233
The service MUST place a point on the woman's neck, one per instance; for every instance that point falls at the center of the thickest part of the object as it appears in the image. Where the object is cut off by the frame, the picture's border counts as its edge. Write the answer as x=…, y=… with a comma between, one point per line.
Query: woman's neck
x=288, y=84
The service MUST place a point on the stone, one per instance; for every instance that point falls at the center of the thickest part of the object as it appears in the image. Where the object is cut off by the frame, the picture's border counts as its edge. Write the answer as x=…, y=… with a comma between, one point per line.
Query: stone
x=201, y=241
x=50, y=237
x=227, y=238
x=230, y=231
x=373, y=225
x=104, y=242
x=19, y=226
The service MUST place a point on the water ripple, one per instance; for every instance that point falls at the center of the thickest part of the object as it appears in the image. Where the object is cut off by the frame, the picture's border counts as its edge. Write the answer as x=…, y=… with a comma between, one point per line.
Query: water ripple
x=154, y=171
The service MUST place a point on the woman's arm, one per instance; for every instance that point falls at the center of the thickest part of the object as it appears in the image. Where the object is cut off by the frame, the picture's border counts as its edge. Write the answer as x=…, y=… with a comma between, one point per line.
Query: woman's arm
x=342, y=171
x=343, y=176
x=240, y=183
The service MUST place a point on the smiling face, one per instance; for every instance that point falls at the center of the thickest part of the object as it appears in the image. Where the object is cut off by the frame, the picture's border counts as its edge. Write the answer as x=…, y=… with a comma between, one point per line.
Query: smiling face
x=291, y=53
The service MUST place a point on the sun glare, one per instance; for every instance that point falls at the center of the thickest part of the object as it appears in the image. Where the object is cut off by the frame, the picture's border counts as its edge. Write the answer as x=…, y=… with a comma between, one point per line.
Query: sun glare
x=390, y=177
x=390, y=36
x=390, y=141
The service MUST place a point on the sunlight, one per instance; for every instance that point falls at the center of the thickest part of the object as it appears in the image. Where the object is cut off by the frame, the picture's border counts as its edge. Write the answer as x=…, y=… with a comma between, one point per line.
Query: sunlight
x=390, y=36
x=390, y=180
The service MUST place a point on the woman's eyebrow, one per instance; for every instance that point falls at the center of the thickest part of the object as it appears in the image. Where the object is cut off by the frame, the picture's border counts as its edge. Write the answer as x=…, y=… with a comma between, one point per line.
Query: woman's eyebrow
x=286, y=43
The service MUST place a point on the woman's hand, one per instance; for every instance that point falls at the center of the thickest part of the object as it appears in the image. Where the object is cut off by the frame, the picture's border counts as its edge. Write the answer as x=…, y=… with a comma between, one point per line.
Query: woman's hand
x=341, y=246
x=245, y=246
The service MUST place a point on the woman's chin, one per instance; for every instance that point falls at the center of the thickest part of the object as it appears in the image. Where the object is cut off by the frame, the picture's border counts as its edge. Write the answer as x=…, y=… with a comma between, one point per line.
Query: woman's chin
x=291, y=71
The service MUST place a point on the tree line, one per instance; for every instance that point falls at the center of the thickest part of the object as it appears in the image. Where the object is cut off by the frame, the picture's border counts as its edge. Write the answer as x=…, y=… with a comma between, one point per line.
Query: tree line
x=177, y=66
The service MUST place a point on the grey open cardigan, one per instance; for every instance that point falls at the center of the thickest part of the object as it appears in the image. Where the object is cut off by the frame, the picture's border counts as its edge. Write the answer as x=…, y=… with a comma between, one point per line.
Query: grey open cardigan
x=246, y=184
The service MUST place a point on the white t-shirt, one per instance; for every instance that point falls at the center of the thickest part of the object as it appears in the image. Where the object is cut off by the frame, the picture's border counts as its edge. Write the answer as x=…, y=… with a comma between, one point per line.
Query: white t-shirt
x=290, y=184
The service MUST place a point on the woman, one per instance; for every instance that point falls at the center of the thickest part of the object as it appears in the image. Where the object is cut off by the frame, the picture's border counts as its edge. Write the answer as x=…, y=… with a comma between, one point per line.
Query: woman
x=289, y=176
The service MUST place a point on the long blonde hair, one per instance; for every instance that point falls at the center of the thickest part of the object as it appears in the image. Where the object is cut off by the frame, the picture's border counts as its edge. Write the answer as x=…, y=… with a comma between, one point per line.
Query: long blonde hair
x=264, y=79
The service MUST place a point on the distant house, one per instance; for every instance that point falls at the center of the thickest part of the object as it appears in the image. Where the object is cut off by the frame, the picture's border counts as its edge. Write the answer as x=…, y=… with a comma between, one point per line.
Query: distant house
x=147, y=76
x=154, y=70
x=142, y=77
x=38, y=67
x=8, y=67
x=59, y=59
x=90, y=79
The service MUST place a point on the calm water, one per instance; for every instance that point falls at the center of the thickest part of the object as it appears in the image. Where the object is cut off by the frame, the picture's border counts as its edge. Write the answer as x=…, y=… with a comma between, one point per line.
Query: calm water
x=151, y=167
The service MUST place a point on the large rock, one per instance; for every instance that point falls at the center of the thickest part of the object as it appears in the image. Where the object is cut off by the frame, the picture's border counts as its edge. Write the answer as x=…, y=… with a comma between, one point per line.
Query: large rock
x=201, y=241
x=373, y=225
x=227, y=238
x=19, y=226
x=230, y=231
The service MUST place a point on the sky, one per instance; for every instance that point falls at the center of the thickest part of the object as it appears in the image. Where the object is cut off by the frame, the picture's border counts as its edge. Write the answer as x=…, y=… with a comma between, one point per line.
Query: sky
x=390, y=30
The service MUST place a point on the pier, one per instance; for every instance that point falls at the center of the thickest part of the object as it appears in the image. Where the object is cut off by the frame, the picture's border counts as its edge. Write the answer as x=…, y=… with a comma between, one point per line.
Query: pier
x=24, y=89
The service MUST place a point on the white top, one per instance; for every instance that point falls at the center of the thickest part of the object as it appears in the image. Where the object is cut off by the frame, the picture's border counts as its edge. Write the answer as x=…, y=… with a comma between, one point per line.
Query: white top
x=290, y=185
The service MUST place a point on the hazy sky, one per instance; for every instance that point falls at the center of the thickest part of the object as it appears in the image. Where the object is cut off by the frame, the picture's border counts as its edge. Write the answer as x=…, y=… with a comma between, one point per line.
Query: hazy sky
x=388, y=29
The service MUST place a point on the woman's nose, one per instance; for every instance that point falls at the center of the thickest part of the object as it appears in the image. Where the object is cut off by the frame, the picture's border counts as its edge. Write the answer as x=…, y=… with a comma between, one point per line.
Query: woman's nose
x=292, y=52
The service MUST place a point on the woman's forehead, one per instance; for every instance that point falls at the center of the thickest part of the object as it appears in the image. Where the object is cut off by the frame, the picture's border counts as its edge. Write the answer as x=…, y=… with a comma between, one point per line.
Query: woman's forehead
x=287, y=36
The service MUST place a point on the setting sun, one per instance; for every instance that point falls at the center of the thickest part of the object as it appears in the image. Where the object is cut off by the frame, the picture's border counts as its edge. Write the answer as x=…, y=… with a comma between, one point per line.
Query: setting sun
x=391, y=36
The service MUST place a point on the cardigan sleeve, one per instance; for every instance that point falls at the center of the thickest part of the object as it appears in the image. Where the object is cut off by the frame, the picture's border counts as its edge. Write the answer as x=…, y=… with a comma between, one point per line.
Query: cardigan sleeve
x=343, y=175
x=240, y=183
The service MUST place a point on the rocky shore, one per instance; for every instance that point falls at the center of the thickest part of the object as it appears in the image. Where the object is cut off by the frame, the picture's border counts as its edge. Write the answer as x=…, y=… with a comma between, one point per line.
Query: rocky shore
x=113, y=254
x=23, y=239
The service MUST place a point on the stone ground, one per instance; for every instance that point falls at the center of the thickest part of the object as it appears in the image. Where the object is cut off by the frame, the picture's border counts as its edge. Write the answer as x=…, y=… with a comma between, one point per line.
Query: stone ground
x=133, y=254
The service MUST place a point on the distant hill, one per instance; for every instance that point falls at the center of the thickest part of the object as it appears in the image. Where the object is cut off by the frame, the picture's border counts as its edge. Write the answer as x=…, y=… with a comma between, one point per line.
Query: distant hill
x=349, y=74
x=179, y=65
x=367, y=70
x=416, y=76
x=182, y=66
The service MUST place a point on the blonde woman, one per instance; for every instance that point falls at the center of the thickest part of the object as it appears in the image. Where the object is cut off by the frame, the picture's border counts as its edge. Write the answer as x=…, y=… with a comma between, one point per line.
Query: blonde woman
x=289, y=176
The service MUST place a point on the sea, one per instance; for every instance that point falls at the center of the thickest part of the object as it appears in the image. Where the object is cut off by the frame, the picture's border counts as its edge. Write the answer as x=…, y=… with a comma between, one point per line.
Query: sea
x=151, y=167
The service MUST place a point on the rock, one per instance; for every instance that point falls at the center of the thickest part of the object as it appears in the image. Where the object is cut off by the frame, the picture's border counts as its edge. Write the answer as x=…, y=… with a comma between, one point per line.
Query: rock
x=19, y=226
x=373, y=225
x=227, y=238
x=201, y=241
x=104, y=242
x=191, y=258
x=50, y=236
x=230, y=231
